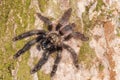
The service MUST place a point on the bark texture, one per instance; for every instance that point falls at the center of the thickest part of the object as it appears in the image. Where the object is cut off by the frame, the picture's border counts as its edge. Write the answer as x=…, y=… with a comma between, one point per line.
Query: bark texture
x=99, y=58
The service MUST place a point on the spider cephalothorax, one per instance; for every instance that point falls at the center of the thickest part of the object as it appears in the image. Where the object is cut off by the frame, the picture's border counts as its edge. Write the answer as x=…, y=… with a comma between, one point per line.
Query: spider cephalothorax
x=52, y=40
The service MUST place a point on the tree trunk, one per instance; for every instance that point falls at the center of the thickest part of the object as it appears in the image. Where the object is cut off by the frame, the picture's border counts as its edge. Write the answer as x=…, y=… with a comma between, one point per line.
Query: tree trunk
x=99, y=57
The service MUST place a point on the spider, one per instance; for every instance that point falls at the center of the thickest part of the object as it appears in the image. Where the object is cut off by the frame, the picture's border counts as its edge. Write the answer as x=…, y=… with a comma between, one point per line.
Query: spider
x=52, y=41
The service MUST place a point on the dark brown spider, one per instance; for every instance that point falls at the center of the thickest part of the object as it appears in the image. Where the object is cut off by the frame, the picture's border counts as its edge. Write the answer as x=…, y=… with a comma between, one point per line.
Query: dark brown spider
x=52, y=40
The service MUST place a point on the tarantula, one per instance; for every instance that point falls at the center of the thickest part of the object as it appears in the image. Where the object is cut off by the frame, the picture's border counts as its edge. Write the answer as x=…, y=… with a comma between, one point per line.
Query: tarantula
x=52, y=41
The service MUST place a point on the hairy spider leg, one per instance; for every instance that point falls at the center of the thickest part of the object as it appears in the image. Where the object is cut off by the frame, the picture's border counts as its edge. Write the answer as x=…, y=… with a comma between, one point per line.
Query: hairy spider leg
x=67, y=28
x=68, y=37
x=27, y=34
x=81, y=36
x=56, y=62
x=41, y=62
x=73, y=53
x=64, y=19
x=58, y=26
x=46, y=21
x=27, y=46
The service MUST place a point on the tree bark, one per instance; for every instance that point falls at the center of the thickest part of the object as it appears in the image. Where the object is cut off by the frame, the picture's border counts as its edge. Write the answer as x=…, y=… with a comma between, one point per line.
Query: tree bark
x=99, y=57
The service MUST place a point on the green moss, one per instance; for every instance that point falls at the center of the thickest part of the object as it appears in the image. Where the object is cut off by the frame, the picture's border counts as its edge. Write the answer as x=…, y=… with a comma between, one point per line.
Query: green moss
x=6, y=64
x=42, y=5
x=100, y=3
x=118, y=29
x=118, y=32
x=88, y=24
x=87, y=54
x=101, y=67
x=42, y=76
x=7, y=70
x=14, y=13
x=27, y=4
x=24, y=68
x=86, y=21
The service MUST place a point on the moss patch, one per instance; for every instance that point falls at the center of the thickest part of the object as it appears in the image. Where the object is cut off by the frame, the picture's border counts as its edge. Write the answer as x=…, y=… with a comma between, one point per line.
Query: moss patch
x=24, y=69
x=88, y=24
x=16, y=16
x=100, y=3
x=42, y=5
x=42, y=76
x=118, y=32
x=86, y=55
x=101, y=67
